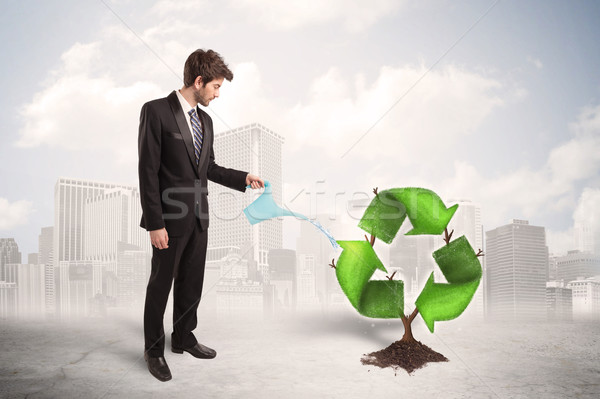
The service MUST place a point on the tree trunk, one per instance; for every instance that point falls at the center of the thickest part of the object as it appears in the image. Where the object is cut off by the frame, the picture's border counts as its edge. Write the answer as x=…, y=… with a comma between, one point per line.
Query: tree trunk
x=407, y=321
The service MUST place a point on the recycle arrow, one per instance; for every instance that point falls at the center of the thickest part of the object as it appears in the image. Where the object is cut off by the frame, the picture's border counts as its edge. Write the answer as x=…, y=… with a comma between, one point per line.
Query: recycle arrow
x=388, y=210
x=382, y=299
x=460, y=266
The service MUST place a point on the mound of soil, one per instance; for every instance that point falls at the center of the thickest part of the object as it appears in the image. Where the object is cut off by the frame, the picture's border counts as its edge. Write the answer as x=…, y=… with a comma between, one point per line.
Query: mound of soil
x=408, y=355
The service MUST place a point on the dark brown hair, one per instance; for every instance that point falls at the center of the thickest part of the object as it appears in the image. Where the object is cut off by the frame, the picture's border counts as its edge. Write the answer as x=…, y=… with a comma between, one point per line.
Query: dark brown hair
x=208, y=64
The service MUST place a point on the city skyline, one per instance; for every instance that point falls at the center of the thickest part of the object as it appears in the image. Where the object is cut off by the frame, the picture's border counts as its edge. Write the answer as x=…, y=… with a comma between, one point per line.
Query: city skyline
x=96, y=216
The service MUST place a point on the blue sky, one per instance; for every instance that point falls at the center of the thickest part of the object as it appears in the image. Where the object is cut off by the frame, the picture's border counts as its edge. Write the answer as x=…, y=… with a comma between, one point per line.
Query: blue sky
x=505, y=110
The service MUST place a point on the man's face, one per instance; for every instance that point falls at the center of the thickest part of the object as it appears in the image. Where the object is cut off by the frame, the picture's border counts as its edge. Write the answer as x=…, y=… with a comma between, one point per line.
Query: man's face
x=205, y=94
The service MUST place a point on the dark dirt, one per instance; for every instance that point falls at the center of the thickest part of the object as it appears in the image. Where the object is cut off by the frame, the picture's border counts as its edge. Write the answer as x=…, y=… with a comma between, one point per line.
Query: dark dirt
x=407, y=355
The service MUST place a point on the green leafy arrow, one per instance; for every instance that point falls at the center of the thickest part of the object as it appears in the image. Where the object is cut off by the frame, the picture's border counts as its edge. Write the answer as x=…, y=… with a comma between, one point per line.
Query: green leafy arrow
x=383, y=299
x=460, y=266
x=388, y=210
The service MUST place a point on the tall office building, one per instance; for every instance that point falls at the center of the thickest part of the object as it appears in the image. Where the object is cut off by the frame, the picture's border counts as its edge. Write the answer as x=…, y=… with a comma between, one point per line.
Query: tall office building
x=45, y=241
x=70, y=197
x=9, y=253
x=517, y=268
x=69, y=236
x=576, y=265
x=584, y=236
x=587, y=221
x=113, y=217
x=255, y=149
x=45, y=251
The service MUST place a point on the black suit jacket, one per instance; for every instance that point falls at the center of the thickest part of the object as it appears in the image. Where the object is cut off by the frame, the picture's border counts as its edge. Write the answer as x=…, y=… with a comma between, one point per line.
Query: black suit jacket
x=173, y=189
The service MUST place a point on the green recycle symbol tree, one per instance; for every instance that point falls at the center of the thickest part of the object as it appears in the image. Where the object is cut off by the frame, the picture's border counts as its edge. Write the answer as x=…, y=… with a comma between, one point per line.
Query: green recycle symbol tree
x=385, y=298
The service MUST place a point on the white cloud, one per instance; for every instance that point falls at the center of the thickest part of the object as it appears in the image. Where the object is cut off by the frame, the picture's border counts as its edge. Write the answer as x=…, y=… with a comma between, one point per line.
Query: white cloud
x=79, y=112
x=169, y=7
x=535, y=62
x=446, y=104
x=13, y=214
x=292, y=14
x=529, y=193
x=588, y=122
x=90, y=103
x=243, y=101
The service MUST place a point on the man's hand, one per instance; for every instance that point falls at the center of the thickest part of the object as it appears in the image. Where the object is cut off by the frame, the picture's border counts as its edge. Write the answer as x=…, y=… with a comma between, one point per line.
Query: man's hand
x=254, y=181
x=159, y=238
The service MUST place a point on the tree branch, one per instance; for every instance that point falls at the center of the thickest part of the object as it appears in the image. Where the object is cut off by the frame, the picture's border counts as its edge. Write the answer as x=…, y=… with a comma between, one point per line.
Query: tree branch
x=447, y=236
x=332, y=264
x=413, y=315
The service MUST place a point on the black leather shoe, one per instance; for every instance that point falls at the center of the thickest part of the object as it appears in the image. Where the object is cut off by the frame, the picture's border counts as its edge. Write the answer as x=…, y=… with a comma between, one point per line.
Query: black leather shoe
x=158, y=367
x=200, y=351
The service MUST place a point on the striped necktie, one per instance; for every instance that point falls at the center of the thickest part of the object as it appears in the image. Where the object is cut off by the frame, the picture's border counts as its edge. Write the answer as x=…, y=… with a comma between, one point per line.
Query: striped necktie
x=197, y=131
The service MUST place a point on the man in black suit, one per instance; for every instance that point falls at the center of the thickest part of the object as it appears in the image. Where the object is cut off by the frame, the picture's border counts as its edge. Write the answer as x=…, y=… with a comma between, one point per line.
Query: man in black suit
x=176, y=159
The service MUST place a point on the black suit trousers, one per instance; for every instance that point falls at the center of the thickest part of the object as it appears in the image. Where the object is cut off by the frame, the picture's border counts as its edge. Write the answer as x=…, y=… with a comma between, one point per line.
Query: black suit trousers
x=183, y=265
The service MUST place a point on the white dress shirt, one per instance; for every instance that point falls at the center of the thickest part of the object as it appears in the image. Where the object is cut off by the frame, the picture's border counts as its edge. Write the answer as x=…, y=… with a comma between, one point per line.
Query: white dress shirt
x=186, y=108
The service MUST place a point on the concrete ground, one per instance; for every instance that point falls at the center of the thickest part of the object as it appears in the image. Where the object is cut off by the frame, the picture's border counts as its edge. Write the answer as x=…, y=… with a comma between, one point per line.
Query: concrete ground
x=305, y=356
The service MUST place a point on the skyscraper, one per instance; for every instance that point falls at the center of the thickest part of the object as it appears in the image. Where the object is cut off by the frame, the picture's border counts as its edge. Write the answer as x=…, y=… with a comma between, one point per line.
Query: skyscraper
x=586, y=228
x=9, y=253
x=255, y=149
x=70, y=197
x=69, y=236
x=113, y=217
x=517, y=268
x=576, y=265
x=45, y=245
x=45, y=251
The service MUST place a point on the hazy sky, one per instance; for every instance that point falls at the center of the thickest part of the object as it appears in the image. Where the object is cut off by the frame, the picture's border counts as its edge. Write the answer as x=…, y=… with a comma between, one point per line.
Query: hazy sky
x=496, y=102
